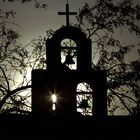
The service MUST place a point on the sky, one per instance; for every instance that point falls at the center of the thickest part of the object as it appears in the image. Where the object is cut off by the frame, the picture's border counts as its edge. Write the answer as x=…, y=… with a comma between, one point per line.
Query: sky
x=33, y=22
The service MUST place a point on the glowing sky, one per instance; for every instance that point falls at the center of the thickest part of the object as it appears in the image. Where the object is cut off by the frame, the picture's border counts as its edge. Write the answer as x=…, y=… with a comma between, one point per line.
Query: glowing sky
x=34, y=22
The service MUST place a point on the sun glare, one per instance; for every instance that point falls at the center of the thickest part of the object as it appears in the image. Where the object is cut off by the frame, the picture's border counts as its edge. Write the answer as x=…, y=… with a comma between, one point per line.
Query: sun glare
x=54, y=100
x=53, y=106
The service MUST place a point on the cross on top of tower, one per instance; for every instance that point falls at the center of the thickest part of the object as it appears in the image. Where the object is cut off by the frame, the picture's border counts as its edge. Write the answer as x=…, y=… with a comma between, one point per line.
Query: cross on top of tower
x=67, y=13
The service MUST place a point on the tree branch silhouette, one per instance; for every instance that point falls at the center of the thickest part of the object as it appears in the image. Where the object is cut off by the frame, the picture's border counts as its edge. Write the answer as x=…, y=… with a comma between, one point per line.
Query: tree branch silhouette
x=100, y=22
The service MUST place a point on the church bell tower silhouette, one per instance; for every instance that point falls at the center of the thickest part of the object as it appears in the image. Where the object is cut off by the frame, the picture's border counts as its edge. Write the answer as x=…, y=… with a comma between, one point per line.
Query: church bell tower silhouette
x=69, y=86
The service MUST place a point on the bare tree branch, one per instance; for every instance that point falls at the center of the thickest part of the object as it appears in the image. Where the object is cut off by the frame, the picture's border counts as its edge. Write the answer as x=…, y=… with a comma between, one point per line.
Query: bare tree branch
x=5, y=78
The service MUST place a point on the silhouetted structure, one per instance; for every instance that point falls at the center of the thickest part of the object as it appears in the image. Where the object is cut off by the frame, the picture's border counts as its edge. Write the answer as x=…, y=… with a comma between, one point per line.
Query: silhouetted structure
x=69, y=97
x=80, y=90
x=67, y=13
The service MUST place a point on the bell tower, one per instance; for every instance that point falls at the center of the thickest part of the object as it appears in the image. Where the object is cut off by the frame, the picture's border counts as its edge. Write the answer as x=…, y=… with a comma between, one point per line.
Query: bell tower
x=69, y=86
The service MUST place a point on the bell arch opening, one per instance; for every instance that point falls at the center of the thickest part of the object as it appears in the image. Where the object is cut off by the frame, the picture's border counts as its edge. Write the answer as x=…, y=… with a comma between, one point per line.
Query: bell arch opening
x=84, y=99
x=69, y=53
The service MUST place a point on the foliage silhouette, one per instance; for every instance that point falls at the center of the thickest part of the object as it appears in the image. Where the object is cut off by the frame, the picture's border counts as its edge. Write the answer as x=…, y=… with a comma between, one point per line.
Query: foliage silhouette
x=15, y=62
x=36, y=3
x=101, y=21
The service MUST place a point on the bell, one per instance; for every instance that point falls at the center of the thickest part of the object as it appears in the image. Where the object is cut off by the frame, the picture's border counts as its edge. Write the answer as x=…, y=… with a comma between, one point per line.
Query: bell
x=84, y=104
x=69, y=60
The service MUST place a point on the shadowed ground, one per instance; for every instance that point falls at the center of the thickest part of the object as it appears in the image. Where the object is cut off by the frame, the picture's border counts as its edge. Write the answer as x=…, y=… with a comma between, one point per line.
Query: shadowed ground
x=18, y=126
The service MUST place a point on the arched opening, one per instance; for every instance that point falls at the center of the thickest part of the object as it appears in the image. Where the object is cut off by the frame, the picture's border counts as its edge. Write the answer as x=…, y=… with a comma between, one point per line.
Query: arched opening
x=84, y=99
x=69, y=53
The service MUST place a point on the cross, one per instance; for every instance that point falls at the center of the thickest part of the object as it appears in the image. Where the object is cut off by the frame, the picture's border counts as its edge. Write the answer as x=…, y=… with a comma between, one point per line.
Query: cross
x=67, y=13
